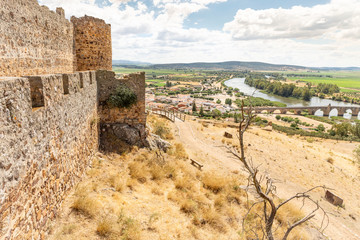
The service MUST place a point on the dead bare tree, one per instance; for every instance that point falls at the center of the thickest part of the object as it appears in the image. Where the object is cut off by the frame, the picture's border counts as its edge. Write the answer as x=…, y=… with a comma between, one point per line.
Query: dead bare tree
x=267, y=194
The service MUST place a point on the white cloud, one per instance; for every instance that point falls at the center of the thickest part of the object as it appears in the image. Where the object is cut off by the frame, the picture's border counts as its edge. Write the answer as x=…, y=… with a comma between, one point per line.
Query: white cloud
x=325, y=35
x=339, y=18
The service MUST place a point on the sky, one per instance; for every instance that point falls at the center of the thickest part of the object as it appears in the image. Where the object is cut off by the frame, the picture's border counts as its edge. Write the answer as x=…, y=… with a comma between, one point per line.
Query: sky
x=313, y=33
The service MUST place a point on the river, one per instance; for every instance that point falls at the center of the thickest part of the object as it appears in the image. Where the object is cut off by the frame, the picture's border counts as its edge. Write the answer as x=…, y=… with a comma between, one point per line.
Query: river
x=290, y=102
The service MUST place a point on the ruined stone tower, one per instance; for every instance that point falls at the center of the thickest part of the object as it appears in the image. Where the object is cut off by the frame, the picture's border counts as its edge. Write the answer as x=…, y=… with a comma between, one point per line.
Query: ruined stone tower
x=92, y=44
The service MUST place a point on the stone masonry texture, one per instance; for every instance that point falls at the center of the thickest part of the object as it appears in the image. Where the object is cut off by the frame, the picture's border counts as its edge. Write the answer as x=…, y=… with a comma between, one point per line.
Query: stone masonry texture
x=34, y=40
x=44, y=150
x=49, y=131
x=92, y=44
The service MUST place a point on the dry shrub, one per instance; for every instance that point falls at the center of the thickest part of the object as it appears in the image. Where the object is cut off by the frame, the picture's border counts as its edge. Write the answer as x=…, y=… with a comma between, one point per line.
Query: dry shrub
x=176, y=196
x=104, y=227
x=289, y=213
x=86, y=205
x=131, y=183
x=178, y=151
x=184, y=183
x=156, y=191
x=131, y=229
x=157, y=172
x=161, y=129
x=188, y=206
x=220, y=201
x=170, y=171
x=118, y=181
x=138, y=170
x=214, y=219
x=214, y=182
x=84, y=202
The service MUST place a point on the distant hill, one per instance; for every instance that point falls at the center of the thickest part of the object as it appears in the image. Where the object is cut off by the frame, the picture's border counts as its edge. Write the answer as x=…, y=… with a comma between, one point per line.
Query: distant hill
x=127, y=62
x=237, y=65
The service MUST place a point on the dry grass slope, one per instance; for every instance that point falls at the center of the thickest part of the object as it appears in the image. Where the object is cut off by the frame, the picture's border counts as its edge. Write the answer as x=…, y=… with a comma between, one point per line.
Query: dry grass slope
x=138, y=195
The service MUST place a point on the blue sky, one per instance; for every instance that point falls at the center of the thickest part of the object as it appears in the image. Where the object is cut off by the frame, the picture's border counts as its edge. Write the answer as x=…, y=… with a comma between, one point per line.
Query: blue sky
x=301, y=32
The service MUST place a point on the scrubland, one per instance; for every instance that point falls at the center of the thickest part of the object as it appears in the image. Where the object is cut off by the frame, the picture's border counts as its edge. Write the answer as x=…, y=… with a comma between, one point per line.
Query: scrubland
x=144, y=194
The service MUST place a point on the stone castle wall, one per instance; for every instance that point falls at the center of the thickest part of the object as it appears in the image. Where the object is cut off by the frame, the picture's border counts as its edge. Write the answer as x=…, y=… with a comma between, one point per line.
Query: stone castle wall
x=48, y=134
x=92, y=46
x=49, y=130
x=34, y=40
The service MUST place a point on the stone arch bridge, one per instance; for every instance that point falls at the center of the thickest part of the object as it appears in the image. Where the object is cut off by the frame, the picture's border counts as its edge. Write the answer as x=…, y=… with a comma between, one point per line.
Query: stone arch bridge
x=311, y=110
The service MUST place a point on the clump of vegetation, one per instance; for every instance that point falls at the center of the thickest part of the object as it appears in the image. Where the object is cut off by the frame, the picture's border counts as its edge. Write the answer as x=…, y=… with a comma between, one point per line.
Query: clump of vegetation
x=161, y=128
x=123, y=97
x=258, y=101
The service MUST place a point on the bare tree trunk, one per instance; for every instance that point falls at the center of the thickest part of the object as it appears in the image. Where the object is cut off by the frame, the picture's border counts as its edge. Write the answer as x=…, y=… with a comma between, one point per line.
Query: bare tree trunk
x=266, y=196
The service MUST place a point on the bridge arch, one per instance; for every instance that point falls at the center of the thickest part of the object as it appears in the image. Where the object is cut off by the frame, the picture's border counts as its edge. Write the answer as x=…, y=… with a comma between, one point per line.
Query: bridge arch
x=348, y=113
x=319, y=113
x=334, y=112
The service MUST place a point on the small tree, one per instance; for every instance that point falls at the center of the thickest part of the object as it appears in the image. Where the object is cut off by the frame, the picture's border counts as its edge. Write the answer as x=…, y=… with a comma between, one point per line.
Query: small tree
x=266, y=192
x=306, y=95
x=320, y=128
x=278, y=117
x=168, y=84
x=216, y=113
x=194, y=107
x=201, y=113
x=228, y=101
x=218, y=101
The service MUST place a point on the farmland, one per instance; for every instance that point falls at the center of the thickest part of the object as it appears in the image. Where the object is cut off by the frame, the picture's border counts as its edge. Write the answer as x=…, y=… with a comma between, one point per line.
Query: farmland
x=347, y=81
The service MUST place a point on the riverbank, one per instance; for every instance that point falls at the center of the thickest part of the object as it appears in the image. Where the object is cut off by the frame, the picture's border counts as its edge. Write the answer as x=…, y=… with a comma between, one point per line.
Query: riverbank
x=291, y=102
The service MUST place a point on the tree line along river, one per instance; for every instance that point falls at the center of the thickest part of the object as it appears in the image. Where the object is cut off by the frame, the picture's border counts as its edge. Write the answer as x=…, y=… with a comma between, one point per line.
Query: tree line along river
x=290, y=102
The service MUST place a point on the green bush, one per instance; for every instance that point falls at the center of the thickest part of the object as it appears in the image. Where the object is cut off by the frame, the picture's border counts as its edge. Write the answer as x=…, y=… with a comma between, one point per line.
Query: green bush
x=123, y=97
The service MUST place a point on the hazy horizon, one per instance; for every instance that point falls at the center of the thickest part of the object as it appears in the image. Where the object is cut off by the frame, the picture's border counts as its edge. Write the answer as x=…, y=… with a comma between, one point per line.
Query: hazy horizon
x=294, y=32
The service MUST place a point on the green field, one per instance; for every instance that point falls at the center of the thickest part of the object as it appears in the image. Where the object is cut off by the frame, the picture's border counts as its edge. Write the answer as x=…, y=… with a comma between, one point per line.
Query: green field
x=348, y=80
x=148, y=71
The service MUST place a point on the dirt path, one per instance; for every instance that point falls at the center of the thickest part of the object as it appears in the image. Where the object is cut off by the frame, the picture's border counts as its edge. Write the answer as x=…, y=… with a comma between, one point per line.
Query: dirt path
x=297, y=164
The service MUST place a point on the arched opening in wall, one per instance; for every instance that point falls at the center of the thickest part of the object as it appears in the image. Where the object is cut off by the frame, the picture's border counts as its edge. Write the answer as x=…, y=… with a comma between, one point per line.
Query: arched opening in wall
x=348, y=114
x=333, y=113
x=277, y=111
x=319, y=113
x=264, y=112
x=36, y=92
x=358, y=116
x=65, y=83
